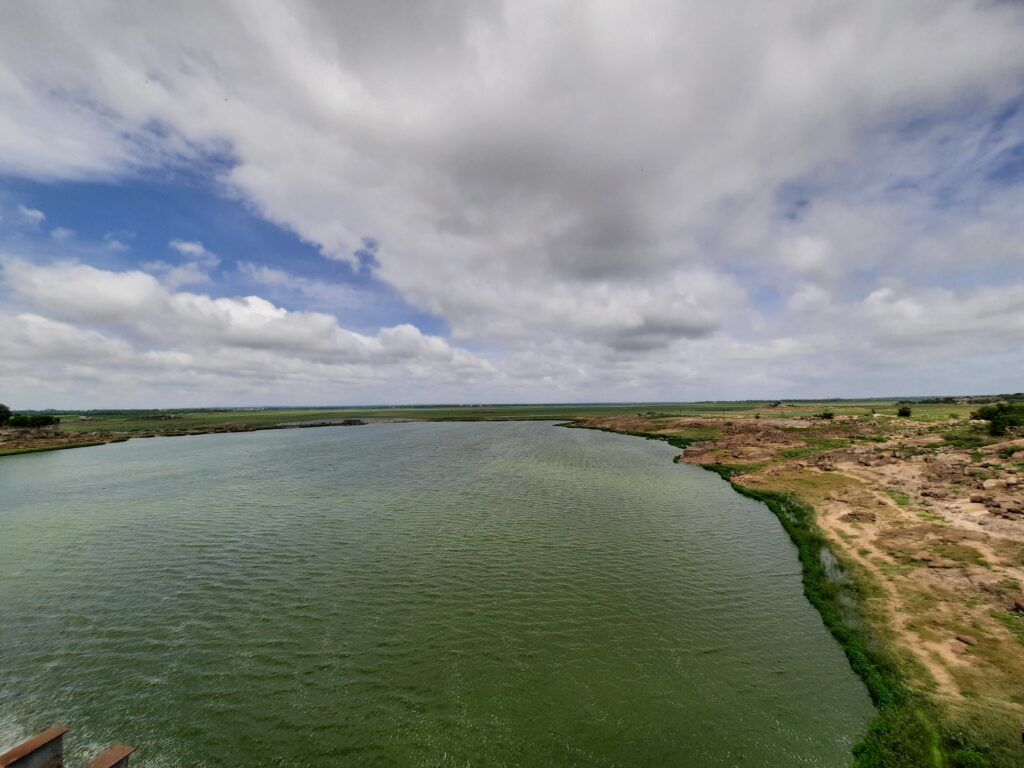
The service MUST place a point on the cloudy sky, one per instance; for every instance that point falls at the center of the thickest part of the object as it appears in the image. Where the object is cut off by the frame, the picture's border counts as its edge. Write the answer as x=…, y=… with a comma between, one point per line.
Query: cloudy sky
x=245, y=202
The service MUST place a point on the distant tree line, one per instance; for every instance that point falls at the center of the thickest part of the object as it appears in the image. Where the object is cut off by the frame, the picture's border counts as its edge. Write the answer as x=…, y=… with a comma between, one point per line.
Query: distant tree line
x=971, y=399
x=25, y=420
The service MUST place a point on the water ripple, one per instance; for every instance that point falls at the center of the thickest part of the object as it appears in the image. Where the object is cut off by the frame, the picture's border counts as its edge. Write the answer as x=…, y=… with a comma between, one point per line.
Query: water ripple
x=411, y=594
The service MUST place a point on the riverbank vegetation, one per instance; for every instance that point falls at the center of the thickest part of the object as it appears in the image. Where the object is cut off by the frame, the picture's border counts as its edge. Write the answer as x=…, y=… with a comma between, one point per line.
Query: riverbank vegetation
x=907, y=730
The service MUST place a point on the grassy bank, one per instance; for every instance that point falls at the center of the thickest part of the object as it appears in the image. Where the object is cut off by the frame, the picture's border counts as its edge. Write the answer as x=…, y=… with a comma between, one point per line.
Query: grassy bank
x=60, y=446
x=908, y=730
x=162, y=421
x=167, y=420
x=677, y=439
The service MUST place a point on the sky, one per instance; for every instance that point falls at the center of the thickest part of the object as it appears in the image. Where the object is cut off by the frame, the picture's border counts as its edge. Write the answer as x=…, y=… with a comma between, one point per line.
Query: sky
x=257, y=203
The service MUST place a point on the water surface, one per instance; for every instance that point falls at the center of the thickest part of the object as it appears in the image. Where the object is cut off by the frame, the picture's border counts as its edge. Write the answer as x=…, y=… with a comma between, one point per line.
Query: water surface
x=411, y=595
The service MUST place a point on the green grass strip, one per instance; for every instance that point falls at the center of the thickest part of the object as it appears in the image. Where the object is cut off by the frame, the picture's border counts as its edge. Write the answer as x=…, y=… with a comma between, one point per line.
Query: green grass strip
x=46, y=448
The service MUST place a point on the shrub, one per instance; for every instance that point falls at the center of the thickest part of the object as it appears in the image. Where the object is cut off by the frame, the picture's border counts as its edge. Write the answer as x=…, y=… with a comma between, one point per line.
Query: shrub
x=904, y=411
x=826, y=415
x=1001, y=416
x=28, y=422
x=5, y=414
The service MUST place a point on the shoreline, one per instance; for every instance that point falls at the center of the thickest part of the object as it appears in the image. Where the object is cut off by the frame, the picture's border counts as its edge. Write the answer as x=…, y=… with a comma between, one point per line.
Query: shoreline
x=123, y=438
x=43, y=444
x=919, y=721
x=898, y=715
x=827, y=595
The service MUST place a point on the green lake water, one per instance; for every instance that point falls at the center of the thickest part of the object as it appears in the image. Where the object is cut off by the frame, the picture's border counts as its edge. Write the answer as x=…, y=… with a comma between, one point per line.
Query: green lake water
x=478, y=594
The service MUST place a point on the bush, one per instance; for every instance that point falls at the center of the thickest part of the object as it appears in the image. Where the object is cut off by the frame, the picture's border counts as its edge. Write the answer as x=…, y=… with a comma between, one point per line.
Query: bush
x=29, y=422
x=904, y=411
x=826, y=415
x=5, y=414
x=1001, y=416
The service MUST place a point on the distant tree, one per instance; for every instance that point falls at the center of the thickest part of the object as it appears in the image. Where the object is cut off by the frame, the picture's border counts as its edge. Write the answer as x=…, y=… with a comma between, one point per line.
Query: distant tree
x=904, y=411
x=1001, y=417
x=5, y=414
x=22, y=421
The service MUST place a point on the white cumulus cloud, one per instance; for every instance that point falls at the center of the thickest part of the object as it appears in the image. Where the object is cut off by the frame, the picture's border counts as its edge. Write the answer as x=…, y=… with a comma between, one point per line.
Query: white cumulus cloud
x=605, y=198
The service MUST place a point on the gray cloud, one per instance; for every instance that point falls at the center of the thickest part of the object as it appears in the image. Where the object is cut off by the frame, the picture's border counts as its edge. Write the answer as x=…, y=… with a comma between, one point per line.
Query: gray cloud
x=593, y=190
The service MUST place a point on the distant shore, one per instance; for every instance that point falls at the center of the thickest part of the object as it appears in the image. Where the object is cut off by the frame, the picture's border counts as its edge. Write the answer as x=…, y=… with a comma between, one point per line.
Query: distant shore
x=66, y=440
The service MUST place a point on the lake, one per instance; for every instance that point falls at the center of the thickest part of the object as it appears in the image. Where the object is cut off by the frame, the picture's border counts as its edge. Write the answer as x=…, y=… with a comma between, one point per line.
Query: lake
x=450, y=594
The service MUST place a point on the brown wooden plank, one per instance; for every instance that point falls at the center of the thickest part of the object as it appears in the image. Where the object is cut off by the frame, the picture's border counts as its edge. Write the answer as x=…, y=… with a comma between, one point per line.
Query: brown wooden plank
x=12, y=756
x=114, y=757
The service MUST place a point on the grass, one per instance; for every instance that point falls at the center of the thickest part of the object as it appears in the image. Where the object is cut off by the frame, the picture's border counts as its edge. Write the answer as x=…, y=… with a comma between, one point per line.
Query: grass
x=182, y=419
x=678, y=439
x=946, y=550
x=197, y=419
x=899, y=497
x=728, y=471
x=60, y=447
x=814, y=446
x=967, y=437
x=1012, y=621
x=960, y=553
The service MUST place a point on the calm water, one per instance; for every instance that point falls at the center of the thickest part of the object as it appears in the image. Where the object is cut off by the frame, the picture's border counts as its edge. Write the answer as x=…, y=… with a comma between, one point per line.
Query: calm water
x=409, y=595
